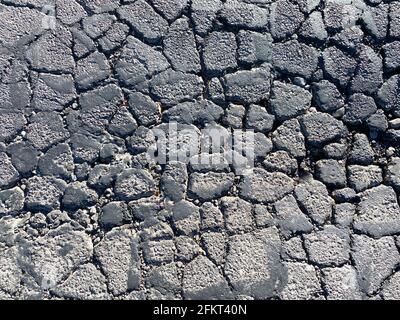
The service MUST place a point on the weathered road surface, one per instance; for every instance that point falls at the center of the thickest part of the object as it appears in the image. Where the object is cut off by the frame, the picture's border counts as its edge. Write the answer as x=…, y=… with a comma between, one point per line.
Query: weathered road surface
x=86, y=85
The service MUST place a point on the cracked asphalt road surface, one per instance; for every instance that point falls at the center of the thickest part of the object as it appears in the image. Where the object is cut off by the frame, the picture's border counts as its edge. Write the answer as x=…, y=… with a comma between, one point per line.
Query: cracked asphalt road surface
x=86, y=214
